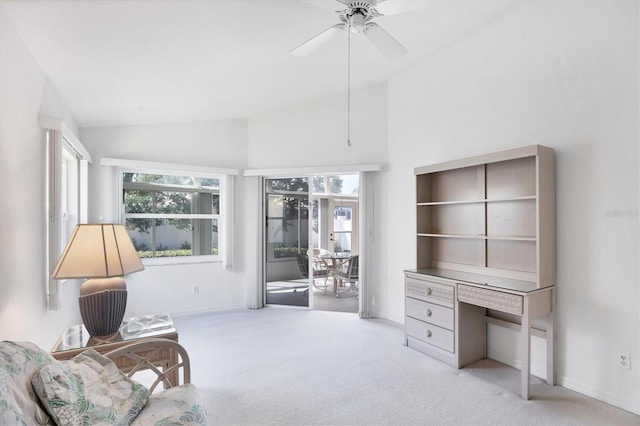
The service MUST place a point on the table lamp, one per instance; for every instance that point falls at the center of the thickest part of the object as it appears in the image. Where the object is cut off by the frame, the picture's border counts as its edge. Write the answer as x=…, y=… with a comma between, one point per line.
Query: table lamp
x=102, y=253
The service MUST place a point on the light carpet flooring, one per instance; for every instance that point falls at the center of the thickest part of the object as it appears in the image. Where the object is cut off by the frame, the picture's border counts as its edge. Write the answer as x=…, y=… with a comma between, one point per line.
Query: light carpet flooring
x=298, y=367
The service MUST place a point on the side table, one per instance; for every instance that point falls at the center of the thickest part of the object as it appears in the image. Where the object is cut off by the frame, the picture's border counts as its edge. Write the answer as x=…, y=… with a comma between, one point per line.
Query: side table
x=76, y=339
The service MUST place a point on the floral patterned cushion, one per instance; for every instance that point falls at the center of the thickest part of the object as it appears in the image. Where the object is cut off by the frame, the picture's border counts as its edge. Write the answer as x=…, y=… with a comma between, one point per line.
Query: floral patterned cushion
x=19, y=405
x=179, y=405
x=89, y=390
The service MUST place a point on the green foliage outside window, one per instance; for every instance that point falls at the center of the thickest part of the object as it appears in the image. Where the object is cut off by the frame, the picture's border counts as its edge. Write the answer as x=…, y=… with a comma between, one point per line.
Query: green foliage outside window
x=148, y=254
x=335, y=185
x=171, y=195
x=162, y=202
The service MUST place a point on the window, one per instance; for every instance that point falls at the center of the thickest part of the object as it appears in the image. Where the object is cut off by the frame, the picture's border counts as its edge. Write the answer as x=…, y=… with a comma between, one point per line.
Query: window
x=175, y=213
x=67, y=163
x=342, y=229
x=172, y=215
x=72, y=201
x=346, y=185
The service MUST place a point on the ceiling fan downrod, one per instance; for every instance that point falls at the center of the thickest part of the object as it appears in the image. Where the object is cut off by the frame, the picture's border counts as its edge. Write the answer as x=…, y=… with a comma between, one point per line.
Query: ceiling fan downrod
x=349, y=89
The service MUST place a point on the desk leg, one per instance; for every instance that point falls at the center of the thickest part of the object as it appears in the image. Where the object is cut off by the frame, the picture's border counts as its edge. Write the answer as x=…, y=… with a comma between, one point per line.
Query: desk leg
x=525, y=356
x=551, y=341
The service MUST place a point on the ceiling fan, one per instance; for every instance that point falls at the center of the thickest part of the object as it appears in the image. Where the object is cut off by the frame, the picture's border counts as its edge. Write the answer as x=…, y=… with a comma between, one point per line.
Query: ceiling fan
x=358, y=18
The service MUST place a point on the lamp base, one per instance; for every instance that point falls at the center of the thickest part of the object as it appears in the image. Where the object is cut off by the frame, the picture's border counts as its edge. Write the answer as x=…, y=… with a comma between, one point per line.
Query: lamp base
x=102, y=305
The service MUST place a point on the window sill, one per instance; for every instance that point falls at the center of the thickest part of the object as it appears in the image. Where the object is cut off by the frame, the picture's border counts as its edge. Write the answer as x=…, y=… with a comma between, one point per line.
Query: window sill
x=168, y=261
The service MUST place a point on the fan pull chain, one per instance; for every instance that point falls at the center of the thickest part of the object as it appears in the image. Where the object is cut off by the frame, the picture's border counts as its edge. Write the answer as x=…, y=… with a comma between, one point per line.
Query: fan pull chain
x=349, y=86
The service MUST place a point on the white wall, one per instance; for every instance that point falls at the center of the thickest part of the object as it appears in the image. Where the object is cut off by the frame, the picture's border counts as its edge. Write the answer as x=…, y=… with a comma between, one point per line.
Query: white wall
x=562, y=74
x=315, y=134
x=24, y=93
x=168, y=288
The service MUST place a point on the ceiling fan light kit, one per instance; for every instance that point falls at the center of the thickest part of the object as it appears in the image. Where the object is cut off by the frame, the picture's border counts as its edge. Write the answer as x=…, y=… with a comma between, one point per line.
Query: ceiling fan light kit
x=356, y=23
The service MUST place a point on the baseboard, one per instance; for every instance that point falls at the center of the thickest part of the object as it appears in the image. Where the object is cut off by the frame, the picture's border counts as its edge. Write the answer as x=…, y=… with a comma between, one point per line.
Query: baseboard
x=628, y=405
x=540, y=371
x=217, y=309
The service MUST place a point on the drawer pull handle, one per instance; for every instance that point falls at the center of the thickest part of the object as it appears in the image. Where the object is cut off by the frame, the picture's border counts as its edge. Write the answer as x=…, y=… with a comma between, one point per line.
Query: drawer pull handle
x=428, y=291
x=428, y=333
x=428, y=312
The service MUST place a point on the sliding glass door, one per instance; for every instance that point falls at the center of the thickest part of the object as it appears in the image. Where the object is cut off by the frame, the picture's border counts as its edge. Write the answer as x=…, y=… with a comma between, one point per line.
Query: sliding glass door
x=286, y=241
x=318, y=213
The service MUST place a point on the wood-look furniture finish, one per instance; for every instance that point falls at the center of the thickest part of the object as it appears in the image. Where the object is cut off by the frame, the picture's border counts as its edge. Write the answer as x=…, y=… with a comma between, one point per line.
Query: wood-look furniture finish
x=485, y=255
x=75, y=339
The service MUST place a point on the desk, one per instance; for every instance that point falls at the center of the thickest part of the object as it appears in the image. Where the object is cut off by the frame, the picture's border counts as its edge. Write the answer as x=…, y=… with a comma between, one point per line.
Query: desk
x=337, y=260
x=76, y=339
x=447, y=312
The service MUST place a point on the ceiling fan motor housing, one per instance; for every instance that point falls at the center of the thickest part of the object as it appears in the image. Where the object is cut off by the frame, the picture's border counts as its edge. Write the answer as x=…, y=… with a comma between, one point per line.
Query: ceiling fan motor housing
x=358, y=15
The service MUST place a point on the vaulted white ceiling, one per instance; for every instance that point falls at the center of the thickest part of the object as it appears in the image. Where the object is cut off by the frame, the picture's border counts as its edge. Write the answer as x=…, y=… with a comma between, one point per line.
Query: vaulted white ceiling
x=127, y=62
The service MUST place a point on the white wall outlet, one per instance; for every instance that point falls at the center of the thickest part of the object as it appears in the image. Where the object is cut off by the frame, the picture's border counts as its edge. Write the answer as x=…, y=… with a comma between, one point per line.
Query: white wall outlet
x=623, y=360
x=195, y=290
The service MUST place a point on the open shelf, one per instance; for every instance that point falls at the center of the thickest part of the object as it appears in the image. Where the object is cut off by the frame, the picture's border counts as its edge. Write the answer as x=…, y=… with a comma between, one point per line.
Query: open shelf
x=485, y=200
x=511, y=178
x=464, y=184
x=490, y=214
x=481, y=237
x=474, y=236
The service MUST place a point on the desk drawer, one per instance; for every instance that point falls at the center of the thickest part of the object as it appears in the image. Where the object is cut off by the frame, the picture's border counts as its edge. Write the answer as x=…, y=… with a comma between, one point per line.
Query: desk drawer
x=441, y=294
x=430, y=333
x=428, y=312
x=491, y=299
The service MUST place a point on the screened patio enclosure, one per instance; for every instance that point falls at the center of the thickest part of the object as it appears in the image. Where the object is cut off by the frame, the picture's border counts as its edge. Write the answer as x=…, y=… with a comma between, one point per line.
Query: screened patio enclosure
x=299, y=216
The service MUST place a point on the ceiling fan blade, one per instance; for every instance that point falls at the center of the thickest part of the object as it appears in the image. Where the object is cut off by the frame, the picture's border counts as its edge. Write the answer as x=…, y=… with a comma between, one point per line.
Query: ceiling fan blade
x=388, y=45
x=316, y=41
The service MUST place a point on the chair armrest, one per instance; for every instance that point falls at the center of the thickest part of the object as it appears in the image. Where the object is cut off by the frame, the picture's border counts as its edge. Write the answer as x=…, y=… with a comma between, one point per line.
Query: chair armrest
x=144, y=355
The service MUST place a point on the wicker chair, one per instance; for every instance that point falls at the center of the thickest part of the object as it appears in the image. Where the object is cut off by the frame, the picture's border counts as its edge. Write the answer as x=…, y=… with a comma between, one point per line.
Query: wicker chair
x=176, y=404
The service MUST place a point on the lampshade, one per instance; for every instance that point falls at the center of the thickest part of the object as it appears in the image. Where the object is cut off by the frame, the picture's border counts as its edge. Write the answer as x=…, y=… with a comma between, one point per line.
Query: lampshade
x=102, y=253
x=98, y=251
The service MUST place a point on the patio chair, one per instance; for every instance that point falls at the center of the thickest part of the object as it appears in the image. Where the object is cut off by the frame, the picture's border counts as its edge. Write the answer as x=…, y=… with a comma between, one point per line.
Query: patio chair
x=320, y=270
x=349, y=274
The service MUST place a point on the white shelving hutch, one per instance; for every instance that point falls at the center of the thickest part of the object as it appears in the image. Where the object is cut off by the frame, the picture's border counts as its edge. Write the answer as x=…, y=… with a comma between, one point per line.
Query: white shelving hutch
x=485, y=254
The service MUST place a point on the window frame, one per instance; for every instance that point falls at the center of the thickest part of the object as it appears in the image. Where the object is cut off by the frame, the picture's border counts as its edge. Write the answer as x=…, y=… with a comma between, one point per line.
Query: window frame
x=66, y=196
x=157, y=188
x=178, y=259
x=224, y=215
